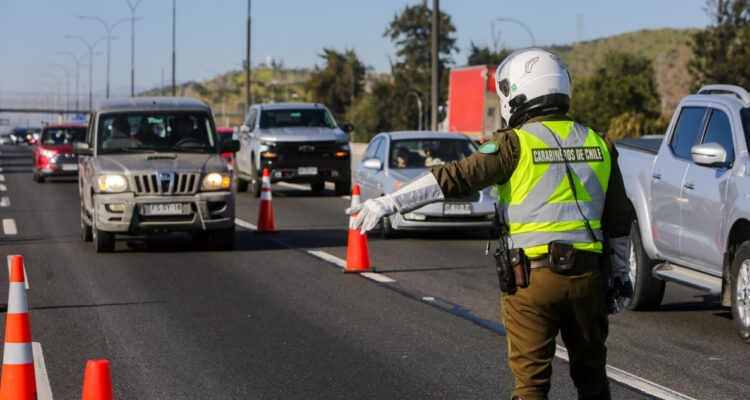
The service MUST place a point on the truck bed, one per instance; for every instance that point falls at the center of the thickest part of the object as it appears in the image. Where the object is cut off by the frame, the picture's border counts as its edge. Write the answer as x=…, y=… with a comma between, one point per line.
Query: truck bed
x=646, y=144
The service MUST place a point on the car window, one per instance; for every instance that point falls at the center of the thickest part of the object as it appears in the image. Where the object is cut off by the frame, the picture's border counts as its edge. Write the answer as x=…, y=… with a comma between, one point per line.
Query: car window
x=421, y=153
x=158, y=131
x=313, y=118
x=745, y=116
x=251, y=119
x=380, y=152
x=688, y=131
x=372, y=148
x=63, y=135
x=719, y=131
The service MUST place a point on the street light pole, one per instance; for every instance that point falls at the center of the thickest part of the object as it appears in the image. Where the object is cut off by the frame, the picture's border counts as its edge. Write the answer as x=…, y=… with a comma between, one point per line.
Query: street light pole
x=109, y=29
x=77, y=61
x=419, y=106
x=494, y=37
x=67, y=84
x=435, y=32
x=132, y=45
x=248, y=100
x=174, y=31
x=91, y=61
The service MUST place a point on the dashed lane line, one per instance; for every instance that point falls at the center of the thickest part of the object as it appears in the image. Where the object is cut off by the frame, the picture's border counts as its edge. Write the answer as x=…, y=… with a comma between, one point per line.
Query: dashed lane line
x=3, y=188
x=623, y=378
x=2, y=178
x=9, y=226
x=5, y=201
x=25, y=275
x=43, y=389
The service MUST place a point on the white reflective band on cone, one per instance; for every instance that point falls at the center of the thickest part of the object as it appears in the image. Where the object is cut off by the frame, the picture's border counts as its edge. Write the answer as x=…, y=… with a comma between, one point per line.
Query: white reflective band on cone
x=355, y=200
x=17, y=298
x=265, y=195
x=17, y=353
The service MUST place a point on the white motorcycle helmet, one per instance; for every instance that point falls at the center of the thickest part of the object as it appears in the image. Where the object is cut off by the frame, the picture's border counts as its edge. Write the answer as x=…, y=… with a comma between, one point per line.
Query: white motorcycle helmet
x=532, y=82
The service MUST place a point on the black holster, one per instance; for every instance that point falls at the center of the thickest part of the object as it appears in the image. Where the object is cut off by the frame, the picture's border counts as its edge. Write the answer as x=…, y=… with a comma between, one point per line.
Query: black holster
x=513, y=269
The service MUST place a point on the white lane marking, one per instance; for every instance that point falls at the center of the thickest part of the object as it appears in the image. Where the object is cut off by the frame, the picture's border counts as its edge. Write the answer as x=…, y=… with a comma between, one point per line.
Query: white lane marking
x=633, y=381
x=9, y=226
x=5, y=201
x=2, y=178
x=613, y=373
x=293, y=185
x=43, y=390
x=25, y=275
x=3, y=188
x=245, y=224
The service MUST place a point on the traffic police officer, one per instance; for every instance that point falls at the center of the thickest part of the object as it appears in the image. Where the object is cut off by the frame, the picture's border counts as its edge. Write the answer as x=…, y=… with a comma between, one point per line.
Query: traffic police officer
x=558, y=182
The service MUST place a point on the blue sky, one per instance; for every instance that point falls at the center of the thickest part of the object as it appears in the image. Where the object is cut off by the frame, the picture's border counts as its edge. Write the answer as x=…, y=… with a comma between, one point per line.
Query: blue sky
x=211, y=34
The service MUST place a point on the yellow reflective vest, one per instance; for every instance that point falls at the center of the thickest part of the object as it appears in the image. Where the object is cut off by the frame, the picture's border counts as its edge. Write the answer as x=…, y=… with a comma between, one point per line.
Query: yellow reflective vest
x=537, y=200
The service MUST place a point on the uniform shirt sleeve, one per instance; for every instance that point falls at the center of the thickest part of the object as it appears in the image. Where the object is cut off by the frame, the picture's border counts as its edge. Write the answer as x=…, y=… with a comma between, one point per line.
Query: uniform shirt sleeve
x=618, y=212
x=465, y=177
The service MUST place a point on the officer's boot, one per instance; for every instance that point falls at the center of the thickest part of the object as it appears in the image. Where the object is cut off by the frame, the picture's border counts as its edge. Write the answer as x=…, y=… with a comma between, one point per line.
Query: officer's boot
x=602, y=394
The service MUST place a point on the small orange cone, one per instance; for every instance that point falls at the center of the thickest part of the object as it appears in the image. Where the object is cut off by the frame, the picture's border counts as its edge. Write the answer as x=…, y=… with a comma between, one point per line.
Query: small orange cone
x=265, y=215
x=97, y=383
x=17, y=382
x=357, y=255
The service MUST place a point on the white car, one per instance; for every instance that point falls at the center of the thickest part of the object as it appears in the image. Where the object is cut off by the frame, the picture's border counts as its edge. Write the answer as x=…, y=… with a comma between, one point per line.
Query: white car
x=393, y=158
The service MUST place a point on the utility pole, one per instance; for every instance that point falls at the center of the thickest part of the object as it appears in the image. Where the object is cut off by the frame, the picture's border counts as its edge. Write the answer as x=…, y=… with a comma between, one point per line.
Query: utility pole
x=435, y=31
x=248, y=100
x=174, y=24
x=77, y=61
x=132, y=45
x=91, y=61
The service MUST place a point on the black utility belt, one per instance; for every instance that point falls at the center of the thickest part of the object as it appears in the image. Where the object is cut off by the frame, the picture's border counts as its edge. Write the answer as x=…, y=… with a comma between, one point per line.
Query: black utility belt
x=514, y=267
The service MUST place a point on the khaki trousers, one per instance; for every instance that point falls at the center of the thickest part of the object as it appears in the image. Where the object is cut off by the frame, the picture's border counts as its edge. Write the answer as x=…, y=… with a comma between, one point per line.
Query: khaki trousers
x=572, y=304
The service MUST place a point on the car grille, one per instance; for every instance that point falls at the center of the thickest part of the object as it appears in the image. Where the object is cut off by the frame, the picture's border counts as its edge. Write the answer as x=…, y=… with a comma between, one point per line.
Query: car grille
x=305, y=151
x=182, y=183
x=469, y=199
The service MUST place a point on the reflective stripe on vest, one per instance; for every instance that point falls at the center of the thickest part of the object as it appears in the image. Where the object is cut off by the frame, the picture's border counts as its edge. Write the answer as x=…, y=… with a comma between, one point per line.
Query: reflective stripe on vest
x=537, y=200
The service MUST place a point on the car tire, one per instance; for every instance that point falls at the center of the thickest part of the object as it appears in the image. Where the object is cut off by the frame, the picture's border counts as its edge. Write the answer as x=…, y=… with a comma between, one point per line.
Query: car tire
x=343, y=188
x=386, y=229
x=648, y=291
x=38, y=178
x=239, y=184
x=104, y=242
x=221, y=239
x=256, y=183
x=317, y=187
x=740, y=286
x=86, y=231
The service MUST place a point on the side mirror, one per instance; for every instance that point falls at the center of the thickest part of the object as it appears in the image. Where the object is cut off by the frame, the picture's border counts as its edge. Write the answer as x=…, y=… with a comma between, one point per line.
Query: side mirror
x=82, y=149
x=709, y=154
x=348, y=128
x=244, y=129
x=372, y=163
x=230, y=146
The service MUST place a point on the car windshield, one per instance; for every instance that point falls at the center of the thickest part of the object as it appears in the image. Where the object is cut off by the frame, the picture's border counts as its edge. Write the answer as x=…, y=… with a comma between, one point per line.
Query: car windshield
x=424, y=153
x=745, y=114
x=313, y=117
x=63, y=135
x=134, y=132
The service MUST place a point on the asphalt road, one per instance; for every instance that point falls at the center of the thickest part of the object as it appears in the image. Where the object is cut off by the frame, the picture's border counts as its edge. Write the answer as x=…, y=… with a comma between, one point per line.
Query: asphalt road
x=270, y=320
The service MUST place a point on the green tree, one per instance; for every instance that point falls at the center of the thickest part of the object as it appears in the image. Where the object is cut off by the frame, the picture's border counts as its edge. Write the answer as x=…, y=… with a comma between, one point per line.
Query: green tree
x=338, y=85
x=483, y=56
x=621, y=83
x=411, y=31
x=721, y=53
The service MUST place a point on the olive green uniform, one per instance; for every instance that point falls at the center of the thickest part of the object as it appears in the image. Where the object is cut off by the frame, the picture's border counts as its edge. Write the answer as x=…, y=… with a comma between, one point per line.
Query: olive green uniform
x=572, y=303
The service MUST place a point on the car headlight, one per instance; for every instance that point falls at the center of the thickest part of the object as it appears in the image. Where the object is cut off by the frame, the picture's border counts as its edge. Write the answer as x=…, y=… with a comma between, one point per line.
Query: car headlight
x=346, y=147
x=215, y=181
x=493, y=192
x=47, y=153
x=112, y=183
x=265, y=146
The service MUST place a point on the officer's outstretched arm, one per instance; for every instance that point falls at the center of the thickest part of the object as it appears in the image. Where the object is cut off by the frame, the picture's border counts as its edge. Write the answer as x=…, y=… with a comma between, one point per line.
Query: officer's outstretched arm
x=414, y=194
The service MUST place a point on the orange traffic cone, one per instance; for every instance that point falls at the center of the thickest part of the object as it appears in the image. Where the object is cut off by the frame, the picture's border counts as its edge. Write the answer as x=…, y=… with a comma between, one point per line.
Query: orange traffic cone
x=97, y=383
x=17, y=382
x=357, y=255
x=265, y=215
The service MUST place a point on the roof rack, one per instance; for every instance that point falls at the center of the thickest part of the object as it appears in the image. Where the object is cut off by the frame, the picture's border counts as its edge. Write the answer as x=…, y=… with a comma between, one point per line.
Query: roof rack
x=741, y=93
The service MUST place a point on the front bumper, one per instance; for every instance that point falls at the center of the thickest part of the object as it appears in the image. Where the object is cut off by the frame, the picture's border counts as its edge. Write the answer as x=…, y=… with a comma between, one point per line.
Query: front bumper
x=200, y=212
x=286, y=169
x=432, y=216
x=62, y=169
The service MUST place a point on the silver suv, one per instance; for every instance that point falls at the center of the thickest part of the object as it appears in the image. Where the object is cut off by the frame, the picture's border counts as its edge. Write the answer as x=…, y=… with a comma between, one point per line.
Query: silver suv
x=154, y=165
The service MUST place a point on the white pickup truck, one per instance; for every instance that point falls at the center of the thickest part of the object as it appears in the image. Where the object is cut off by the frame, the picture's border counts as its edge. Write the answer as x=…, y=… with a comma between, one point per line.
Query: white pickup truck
x=691, y=193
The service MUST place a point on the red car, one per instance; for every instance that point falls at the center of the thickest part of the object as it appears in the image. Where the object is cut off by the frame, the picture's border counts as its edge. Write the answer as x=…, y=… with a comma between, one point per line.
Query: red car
x=226, y=133
x=53, y=153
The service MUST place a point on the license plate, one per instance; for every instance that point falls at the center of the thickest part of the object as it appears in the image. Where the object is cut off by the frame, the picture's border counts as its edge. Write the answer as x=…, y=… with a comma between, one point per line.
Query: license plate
x=307, y=171
x=457, y=208
x=165, y=209
x=69, y=167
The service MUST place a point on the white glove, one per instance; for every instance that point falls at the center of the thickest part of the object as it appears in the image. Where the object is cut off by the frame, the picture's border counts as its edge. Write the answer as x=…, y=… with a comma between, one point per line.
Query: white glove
x=370, y=213
x=419, y=191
